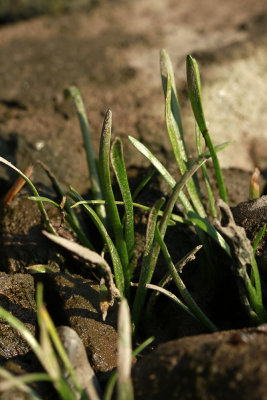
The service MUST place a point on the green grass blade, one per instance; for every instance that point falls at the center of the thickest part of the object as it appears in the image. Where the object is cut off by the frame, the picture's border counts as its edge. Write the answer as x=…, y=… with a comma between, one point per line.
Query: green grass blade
x=116, y=262
x=51, y=329
x=75, y=226
x=195, y=309
x=177, y=147
x=24, y=332
x=104, y=171
x=165, y=71
x=258, y=239
x=206, y=226
x=206, y=177
x=35, y=193
x=61, y=194
x=174, y=217
x=121, y=175
x=255, y=276
x=161, y=169
x=148, y=263
x=89, y=149
x=167, y=278
x=170, y=295
x=142, y=185
x=194, y=90
x=124, y=383
x=9, y=381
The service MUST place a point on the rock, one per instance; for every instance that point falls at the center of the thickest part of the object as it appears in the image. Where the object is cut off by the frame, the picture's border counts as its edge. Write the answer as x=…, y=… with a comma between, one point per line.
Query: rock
x=225, y=365
x=17, y=296
x=77, y=355
x=80, y=303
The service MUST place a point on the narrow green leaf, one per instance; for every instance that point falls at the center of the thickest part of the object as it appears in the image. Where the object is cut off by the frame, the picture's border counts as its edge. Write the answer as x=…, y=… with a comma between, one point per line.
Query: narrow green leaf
x=206, y=226
x=141, y=186
x=170, y=295
x=255, y=276
x=10, y=381
x=35, y=193
x=104, y=170
x=89, y=149
x=194, y=90
x=195, y=309
x=74, y=224
x=117, y=161
x=148, y=263
x=174, y=217
x=165, y=71
x=24, y=332
x=258, y=239
x=177, y=147
x=206, y=176
x=161, y=169
x=116, y=262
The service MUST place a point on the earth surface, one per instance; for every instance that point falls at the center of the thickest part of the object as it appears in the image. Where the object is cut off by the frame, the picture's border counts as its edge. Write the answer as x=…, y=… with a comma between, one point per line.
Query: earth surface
x=110, y=51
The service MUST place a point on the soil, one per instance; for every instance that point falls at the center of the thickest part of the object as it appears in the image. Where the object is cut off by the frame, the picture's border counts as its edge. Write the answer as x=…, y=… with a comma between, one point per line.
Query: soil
x=110, y=51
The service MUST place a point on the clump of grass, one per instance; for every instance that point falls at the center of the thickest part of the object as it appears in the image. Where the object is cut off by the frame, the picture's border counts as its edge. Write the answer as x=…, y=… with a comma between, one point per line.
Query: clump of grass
x=115, y=220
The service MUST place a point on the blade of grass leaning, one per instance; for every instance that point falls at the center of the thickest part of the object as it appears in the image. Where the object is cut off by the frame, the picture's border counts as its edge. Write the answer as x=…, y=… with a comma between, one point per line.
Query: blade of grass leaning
x=76, y=227
x=60, y=385
x=104, y=171
x=89, y=149
x=69, y=213
x=167, y=277
x=195, y=309
x=35, y=193
x=206, y=226
x=124, y=382
x=9, y=381
x=116, y=262
x=60, y=192
x=16, y=186
x=168, y=294
x=148, y=265
x=177, y=146
x=24, y=332
x=49, y=355
x=45, y=319
x=194, y=90
x=91, y=256
x=112, y=380
x=117, y=161
x=161, y=169
x=255, y=276
x=206, y=176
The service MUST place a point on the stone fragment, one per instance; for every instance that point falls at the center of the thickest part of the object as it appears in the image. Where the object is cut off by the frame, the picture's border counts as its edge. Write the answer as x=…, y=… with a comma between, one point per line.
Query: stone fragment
x=225, y=365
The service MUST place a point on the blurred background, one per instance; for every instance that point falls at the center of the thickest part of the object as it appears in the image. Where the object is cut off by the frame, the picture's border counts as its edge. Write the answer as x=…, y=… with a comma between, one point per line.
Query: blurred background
x=110, y=49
